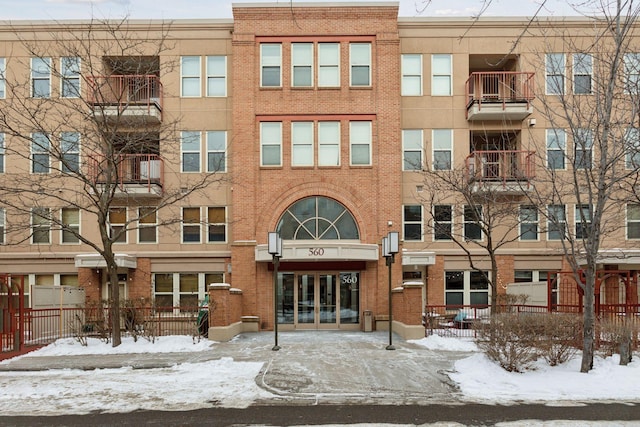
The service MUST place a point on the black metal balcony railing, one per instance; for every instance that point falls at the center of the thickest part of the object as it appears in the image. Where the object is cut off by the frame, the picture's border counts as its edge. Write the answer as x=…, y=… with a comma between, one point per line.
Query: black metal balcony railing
x=130, y=169
x=500, y=87
x=501, y=166
x=124, y=91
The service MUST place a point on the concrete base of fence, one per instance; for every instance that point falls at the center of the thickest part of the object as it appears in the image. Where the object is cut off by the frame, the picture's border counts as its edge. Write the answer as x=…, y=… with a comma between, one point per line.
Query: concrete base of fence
x=407, y=332
x=226, y=333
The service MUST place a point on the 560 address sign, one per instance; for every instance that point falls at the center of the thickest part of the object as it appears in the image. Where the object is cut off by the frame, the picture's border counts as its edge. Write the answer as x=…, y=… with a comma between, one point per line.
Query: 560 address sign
x=316, y=251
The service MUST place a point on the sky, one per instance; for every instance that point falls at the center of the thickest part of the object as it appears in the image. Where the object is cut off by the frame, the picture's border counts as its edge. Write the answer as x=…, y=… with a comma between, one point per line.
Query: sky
x=186, y=9
x=55, y=392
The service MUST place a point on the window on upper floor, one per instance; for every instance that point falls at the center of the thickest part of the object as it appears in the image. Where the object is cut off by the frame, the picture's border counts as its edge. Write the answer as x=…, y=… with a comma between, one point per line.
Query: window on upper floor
x=360, y=143
x=117, y=224
x=328, y=143
x=302, y=144
x=40, y=153
x=556, y=148
x=633, y=221
x=528, y=223
x=190, y=70
x=190, y=147
x=412, y=149
x=191, y=229
x=556, y=222
x=271, y=65
x=302, y=64
x=3, y=225
x=360, y=64
x=328, y=64
x=632, y=73
x=472, y=216
x=443, y=222
x=216, y=224
x=70, y=225
x=40, y=225
x=441, y=73
x=216, y=75
x=632, y=146
x=2, y=152
x=70, y=76
x=2, y=78
x=216, y=151
x=582, y=221
x=442, y=141
x=555, y=73
x=411, y=75
x=271, y=144
x=40, y=77
x=412, y=223
x=582, y=73
x=583, y=145
x=70, y=152
x=147, y=225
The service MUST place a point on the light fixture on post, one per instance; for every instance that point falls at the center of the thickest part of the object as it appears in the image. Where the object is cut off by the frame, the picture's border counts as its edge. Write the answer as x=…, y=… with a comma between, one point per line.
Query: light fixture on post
x=274, y=248
x=390, y=247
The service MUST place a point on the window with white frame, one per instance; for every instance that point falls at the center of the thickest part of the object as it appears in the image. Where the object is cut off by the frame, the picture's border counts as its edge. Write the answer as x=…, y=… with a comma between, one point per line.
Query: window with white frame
x=40, y=153
x=2, y=78
x=520, y=276
x=216, y=76
x=217, y=224
x=411, y=75
x=472, y=215
x=360, y=64
x=117, y=224
x=190, y=147
x=302, y=144
x=190, y=70
x=633, y=221
x=2, y=152
x=40, y=77
x=191, y=225
x=302, y=64
x=443, y=222
x=528, y=223
x=556, y=146
x=270, y=143
x=182, y=292
x=441, y=72
x=412, y=220
x=40, y=225
x=583, y=145
x=3, y=225
x=147, y=225
x=582, y=72
x=632, y=146
x=360, y=143
x=555, y=72
x=328, y=64
x=466, y=288
x=556, y=222
x=270, y=64
x=70, y=225
x=442, y=141
x=217, y=151
x=70, y=152
x=70, y=76
x=412, y=149
x=582, y=221
x=632, y=72
x=328, y=143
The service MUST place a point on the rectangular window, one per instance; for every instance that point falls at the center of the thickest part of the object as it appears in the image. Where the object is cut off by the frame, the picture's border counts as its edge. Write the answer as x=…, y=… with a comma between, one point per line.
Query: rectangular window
x=302, y=64
x=632, y=146
x=412, y=219
x=270, y=64
x=302, y=144
x=217, y=225
x=583, y=221
x=190, y=76
x=633, y=221
x=41, y=77
x=472, y=218
x=632, y=72
x=466, y=288
x=1, y=152
x=190, y=145
x=443, y=222
x=360, y=63
x=556, y=146
x=528, y=223
x=217, y=151
x=147, y=225
x=40, y=225
x=271, y=144
x=442, y=149
x=328, y=143
x=188, y=297
x=182, y=292
x=360, y=143
x=412, y=149
x=555, y=69
x=70, y=76
x=441, y=71
x=40, y=151
x=70, y=152
x=163, y=292
x=582, y=71
x=2, y=78
x=583, y=145
x=556, y=222
x=70, y=225
x=117, y=224
x=328, y=64
x=3, y=226
x=190, y=225
x=216, y=76
x=411, y=75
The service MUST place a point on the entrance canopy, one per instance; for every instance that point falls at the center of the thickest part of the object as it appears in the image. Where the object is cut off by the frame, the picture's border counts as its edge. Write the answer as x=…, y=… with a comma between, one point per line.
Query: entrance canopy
x=310, y=250
x=97, y=261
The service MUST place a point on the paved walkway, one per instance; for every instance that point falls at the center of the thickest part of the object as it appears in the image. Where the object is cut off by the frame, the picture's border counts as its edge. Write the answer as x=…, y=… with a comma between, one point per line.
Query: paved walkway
x=311, y=367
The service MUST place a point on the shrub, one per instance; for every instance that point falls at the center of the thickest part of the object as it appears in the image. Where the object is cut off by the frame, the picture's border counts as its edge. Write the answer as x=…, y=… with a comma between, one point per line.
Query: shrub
x=619, y=336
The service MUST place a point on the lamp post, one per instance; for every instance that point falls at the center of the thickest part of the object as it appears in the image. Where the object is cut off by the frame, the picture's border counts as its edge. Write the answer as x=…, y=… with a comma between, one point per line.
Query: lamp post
x=390, y=247
x=275, y=249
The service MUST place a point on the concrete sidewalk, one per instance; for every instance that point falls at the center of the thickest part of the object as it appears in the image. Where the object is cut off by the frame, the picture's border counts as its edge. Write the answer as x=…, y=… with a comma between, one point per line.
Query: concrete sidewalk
x=311, y=367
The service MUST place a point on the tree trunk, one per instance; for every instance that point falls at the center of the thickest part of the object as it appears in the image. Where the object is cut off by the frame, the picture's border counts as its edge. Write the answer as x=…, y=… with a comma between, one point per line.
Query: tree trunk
x=588, y=334
x=114, y=302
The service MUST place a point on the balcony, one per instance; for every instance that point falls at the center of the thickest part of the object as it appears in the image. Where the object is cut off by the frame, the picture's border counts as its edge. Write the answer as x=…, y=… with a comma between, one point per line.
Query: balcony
x=137, y=175
x=499, y=95
x=507, y=172
x=134, y=98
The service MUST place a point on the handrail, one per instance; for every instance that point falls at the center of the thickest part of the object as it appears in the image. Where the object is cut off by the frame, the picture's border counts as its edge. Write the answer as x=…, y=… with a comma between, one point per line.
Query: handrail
x=140, y=169
x=500, y=165
x=126, y=90
x=500, y=87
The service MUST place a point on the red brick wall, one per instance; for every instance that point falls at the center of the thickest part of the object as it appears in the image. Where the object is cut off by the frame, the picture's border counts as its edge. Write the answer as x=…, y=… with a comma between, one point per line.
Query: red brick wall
x=139, y=286
x=89, y=279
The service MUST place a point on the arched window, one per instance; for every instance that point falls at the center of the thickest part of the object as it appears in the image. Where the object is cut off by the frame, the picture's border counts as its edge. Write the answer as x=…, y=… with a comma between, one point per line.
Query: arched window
x=318, y=218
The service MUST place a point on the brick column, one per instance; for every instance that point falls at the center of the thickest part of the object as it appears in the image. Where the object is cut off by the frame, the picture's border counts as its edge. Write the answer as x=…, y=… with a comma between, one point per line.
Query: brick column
x=219, y=304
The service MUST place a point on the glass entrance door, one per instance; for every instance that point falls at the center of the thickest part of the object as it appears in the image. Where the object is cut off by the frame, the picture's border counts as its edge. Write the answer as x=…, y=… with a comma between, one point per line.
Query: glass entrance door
x=317, y=296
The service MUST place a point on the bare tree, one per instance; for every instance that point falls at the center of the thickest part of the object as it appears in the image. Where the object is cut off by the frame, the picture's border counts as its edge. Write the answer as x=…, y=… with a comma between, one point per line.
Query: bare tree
x=85, y=133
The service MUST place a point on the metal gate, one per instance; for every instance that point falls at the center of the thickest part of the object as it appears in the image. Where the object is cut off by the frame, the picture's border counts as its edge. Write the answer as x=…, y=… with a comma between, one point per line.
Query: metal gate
x=13, y=312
